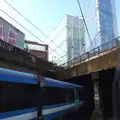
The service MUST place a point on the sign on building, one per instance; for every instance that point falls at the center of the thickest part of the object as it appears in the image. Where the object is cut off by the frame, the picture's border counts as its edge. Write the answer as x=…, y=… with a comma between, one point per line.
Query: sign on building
x=12, y=36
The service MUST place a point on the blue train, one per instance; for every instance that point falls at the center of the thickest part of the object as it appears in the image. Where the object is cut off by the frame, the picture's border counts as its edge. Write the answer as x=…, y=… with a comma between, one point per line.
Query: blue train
x=26, y=96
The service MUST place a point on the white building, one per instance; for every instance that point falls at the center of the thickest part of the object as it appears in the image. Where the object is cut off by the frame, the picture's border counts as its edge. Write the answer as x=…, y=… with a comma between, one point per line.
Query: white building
x=69, y=37
x=75, y=37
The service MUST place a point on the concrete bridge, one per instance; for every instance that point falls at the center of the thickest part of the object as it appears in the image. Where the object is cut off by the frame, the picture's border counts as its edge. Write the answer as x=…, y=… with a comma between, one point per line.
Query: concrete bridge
x=92, y=61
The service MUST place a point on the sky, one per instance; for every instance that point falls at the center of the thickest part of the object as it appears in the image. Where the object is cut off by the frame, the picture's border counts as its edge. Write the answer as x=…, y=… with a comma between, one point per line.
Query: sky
x=45, y=14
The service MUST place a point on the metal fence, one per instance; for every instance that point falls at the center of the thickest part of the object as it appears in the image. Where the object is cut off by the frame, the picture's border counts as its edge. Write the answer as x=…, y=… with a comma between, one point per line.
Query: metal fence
x=96, y=51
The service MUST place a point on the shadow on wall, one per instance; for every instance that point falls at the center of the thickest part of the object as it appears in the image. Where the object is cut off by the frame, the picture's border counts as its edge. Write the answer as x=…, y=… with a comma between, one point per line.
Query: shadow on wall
x=86, y=95
x=105, y=92
x=106, y=78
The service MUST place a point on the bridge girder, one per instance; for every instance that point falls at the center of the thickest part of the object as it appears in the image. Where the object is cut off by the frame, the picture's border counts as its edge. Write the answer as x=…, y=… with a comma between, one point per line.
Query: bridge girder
x=105, y=61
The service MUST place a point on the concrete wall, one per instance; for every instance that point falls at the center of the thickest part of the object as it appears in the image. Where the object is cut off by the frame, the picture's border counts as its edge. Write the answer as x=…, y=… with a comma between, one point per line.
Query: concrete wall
x=106, y=78
x=86, y=95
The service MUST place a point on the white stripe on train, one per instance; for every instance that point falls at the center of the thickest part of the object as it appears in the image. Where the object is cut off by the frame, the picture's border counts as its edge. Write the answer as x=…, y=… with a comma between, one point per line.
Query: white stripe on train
x=57, y=109
x=26, y=116
x=32, y=115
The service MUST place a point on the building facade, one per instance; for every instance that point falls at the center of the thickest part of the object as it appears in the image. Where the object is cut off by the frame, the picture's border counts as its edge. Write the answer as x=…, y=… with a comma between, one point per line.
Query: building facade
x=11, y=34
x=75, y=37
x=69, y=35
x=36, y=49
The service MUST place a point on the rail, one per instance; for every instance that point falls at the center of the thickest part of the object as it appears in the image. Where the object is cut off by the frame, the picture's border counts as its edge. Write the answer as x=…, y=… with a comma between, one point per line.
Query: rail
x=96, y=51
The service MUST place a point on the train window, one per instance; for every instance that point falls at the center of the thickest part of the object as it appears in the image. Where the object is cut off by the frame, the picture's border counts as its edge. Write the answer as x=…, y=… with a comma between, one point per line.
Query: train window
x=15, y=96
x=53, y=95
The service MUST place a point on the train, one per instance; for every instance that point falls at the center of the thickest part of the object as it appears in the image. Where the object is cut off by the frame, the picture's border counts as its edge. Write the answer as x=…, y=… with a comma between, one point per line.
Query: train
x=25, y=96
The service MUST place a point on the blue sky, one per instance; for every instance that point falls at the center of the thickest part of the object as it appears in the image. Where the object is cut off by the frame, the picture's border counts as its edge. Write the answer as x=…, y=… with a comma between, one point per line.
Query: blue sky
x=45, y=14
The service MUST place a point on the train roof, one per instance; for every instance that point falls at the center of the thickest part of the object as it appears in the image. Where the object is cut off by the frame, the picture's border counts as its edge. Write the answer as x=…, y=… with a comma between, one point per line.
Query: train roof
x=21, y=77
x=56, y=83
x=15, y=76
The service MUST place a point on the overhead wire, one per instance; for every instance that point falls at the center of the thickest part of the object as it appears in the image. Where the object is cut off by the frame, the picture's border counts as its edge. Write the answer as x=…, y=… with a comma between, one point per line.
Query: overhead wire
x=60, y=43
x=91, y=41
x=58, y=34
x=58, y=46
x=66, y=40
x=80, y=42
x=35, y=25
x=88, y=46
x=56, y=26
x=24, y=27
x=31, y=23
x=66, y=53
x=69, y=36
x=94, y=39
x=84, y=22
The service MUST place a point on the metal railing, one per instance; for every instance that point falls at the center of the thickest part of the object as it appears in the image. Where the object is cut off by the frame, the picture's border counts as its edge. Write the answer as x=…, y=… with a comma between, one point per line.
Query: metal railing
x=96, y=51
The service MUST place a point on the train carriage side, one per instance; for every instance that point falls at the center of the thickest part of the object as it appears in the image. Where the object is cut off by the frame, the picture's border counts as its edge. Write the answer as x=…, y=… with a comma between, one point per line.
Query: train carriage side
x=18, y=93
x=59, y=98
x=26, y=96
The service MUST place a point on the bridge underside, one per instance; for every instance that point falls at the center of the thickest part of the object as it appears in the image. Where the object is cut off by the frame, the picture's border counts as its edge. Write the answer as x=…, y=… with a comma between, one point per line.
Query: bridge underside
x=102, y=88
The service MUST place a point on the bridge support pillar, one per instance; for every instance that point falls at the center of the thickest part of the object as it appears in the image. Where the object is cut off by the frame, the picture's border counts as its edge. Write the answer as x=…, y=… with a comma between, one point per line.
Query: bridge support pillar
x=105, y=90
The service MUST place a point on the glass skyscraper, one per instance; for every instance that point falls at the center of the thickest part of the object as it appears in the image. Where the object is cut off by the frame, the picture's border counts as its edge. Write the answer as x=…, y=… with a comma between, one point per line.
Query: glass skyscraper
x=100, y=16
